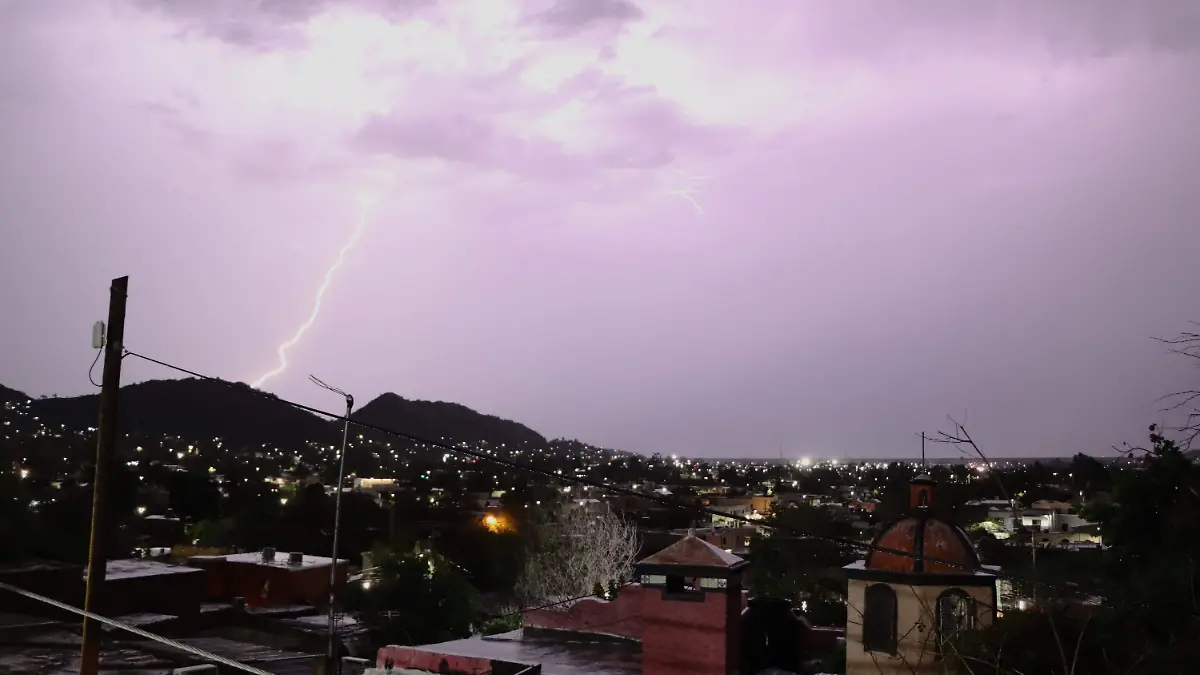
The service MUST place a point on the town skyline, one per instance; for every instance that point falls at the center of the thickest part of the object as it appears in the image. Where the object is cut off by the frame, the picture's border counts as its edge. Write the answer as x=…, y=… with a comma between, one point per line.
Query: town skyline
x=618, y=222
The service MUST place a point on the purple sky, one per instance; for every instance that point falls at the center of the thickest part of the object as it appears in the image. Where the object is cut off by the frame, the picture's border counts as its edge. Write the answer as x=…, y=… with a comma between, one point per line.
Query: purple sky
x=909, y=210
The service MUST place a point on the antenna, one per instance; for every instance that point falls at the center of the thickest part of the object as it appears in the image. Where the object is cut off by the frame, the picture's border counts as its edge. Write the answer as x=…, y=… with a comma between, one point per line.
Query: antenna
x=924, y=465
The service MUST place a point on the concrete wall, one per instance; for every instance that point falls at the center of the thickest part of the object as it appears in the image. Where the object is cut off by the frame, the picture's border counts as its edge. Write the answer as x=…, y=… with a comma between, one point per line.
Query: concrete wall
x=177, y=594
x=915, y=628
x=268, y=585
x=54, y=580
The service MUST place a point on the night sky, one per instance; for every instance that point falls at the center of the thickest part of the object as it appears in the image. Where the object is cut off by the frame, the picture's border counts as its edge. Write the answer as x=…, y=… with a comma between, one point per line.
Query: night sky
x=698, y=227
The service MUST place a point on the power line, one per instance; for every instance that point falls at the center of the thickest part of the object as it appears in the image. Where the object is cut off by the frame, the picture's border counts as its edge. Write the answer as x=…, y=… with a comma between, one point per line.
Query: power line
x=672, y=503
x=207, y=656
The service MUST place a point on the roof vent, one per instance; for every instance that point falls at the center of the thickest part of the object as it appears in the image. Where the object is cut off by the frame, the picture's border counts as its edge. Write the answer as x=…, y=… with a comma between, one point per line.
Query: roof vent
x=295, y=558
x=268, y=554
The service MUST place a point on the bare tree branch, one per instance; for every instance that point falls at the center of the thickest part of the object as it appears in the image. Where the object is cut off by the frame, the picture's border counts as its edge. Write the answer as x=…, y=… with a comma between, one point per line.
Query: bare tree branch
x=1187, y=344
x=580, y=549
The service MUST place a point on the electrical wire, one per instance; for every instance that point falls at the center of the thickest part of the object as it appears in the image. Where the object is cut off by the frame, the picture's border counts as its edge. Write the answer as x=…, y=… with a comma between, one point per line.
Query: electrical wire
x=613, y=489
x=93, y=367
x=207, y=656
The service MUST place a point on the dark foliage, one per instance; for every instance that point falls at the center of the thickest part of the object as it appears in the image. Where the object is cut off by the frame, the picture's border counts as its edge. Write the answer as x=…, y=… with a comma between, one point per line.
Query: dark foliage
x=1146, y=619
x=415, y=597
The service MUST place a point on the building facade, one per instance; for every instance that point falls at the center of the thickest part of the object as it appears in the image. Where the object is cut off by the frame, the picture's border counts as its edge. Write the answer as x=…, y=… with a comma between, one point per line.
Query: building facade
x=920, y=587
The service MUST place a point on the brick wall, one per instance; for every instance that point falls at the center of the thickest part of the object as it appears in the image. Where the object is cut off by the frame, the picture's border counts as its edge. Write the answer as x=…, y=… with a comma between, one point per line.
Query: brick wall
x=711, y=629
x=434, y=662
x=691, y=637
x=621, y=617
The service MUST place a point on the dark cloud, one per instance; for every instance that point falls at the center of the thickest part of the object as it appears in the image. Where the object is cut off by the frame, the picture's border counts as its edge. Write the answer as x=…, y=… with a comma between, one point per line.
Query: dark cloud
x=266, y=25
x=1098, y=28
x=568, y=17
x=454, y=137
x=640, y=130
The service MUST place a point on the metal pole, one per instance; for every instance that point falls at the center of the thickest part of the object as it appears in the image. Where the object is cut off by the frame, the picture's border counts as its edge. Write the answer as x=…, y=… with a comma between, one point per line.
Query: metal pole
x=330, y=655
x=106, y=441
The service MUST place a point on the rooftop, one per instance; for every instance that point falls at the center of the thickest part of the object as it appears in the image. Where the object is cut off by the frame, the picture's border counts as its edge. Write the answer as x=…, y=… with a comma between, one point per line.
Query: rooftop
x=558, y=654
x=694, y=552
x=134, y=567
x=57, y=653
x=981, y=571
x=281, y=560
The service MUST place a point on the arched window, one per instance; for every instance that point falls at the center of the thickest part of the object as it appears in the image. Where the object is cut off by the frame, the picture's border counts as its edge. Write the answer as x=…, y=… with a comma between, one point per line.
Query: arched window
x=879, y=619
x=955, y=613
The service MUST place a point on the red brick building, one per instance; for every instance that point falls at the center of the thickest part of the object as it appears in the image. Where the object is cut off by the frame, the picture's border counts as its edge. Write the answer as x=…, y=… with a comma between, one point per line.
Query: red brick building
x=270, y=578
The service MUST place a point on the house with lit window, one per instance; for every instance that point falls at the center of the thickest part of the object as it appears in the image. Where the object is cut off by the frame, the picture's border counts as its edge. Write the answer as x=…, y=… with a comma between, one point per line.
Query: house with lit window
x=919, y=588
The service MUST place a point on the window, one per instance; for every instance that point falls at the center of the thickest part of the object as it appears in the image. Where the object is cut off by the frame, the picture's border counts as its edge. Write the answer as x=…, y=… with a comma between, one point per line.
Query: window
x=879, y=619
x=955, y=614
x=683, y=588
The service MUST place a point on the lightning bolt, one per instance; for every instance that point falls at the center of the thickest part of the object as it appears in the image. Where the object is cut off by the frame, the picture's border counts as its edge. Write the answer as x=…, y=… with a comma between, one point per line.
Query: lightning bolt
x=366, y=206
x=690, y=191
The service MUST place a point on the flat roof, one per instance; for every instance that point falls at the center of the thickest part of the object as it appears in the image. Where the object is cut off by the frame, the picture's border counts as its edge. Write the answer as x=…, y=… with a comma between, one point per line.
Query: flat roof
x=558, y=654
x=281, y=560
x=130, y=568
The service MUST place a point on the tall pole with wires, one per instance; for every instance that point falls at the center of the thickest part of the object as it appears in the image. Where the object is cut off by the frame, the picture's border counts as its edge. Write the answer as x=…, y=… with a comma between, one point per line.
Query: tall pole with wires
x=330, y=654
x=106, y=442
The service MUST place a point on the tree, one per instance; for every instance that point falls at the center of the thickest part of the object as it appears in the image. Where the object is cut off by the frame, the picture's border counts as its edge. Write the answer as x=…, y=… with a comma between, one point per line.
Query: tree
x=803, y=569
x=212, y=533
x=193, y=495
x=1149, y=618
x=415, y=597
x=575, y=550
x=1186, y=402
x=1089, y=475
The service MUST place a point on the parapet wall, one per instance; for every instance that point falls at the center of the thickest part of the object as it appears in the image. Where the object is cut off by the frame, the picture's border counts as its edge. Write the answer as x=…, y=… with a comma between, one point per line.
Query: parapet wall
x=431, y=661
x=621, y=617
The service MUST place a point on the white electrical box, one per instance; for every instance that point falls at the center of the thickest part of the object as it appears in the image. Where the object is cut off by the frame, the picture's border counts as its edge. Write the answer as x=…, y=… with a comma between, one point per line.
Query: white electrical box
x=98, y=335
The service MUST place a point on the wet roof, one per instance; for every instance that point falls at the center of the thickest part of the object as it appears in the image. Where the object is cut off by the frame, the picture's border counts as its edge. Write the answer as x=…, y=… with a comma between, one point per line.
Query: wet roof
x=136, y=567
x=57, y=653
x=696, y=552
x=558, y=654
x=281, y=560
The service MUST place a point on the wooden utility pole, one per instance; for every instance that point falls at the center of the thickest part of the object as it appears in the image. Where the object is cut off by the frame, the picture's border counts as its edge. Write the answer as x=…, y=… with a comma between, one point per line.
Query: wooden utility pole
x=106, y=442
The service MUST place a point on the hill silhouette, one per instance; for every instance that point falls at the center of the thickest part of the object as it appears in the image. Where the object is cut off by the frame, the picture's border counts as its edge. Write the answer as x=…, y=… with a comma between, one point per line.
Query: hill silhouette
x=7, y=394
x=442, y=421
x=195, y=408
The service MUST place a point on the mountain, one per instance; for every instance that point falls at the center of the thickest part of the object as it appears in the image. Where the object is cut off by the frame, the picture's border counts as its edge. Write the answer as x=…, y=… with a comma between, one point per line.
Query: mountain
x=7, y=395
x=194, y=408
x=438, y=420
x=201, y=409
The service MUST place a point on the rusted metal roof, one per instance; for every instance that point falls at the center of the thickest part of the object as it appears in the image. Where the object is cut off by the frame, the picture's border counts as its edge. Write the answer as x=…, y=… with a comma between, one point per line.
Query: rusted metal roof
x=694, y=552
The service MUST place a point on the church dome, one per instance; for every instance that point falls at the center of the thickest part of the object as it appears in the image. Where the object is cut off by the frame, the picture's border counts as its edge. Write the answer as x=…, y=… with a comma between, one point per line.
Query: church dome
x=920, y=537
